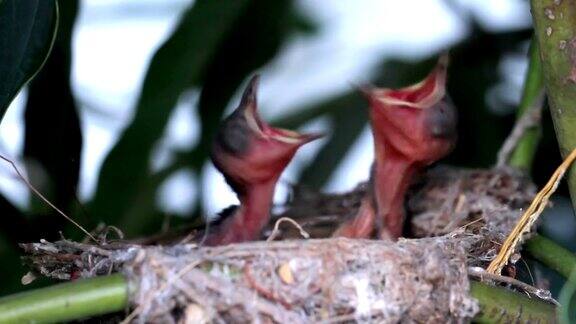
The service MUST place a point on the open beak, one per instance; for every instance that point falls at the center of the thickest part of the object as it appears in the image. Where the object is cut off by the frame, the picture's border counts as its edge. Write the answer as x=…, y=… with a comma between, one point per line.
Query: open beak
x=249, y=106
x=421, y=95
x=412, y=127
x=251, y=155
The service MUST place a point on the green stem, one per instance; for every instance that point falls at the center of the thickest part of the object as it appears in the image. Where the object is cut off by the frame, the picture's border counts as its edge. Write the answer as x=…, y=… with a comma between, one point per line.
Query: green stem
x=499, y=305
x=101, y=295
x=551, y=254
x=525, y=150
x=67, y=301
x=555, y=30
x=567, y=299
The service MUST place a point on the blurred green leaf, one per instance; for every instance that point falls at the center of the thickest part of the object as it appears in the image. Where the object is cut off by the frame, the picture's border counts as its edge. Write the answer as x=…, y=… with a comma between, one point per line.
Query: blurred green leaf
x=473, y=73
x=52, y=138
x=27, y=31
x=181, y=61
x=11, y=268
x=567, y=298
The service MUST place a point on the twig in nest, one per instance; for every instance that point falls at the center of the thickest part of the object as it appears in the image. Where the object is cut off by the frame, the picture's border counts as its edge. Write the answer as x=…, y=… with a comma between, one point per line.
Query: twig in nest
x=529, y=119
x=540, y=293
x=529, y=217
x=276, y=230
x=41, y=196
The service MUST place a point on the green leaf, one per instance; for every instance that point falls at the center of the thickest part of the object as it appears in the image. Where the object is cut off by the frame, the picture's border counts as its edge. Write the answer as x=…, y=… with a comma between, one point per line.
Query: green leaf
x=180, y=62
x=52, y=138
x=471, y=77
x=27, y=32
x=551, y=255
x=567, y=298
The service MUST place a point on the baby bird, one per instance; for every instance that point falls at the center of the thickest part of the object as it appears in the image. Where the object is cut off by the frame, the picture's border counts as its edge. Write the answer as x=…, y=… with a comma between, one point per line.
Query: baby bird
x=412, y=127
x=251, y=155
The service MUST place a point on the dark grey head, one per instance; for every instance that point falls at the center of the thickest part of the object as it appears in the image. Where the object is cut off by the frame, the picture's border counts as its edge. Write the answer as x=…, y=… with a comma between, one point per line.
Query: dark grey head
x=442, y=119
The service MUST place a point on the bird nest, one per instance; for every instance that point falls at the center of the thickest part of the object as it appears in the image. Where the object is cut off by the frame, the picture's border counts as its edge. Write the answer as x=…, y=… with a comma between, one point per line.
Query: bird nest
x=460, y=217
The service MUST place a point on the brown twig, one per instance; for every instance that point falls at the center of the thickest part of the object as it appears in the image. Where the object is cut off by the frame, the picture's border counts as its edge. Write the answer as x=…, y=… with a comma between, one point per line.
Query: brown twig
x=529, y=119
x=276, y=230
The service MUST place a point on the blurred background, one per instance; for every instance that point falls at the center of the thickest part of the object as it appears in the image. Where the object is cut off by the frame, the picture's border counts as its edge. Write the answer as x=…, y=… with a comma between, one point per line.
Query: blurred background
x=116, y=127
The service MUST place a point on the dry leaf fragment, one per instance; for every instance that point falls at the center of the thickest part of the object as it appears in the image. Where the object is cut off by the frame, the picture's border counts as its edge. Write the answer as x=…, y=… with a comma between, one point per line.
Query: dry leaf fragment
x=194, y=314
x=285, y=273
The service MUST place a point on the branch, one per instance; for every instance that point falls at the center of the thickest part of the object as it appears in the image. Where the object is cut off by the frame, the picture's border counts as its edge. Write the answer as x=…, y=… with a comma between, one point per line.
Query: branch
x=523, y=154
x=101, y=295
x=551, y=254
x=67, y=301
x=555, y=30
x=498, y=305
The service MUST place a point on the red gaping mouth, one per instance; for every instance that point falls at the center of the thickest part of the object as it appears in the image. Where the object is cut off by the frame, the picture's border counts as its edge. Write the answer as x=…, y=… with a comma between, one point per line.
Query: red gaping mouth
x=264, y=130
x=421, y=95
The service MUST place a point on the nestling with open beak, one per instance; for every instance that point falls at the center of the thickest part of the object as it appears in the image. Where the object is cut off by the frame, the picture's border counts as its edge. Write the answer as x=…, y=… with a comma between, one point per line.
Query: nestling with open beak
x=251, y=155
x=412, y=128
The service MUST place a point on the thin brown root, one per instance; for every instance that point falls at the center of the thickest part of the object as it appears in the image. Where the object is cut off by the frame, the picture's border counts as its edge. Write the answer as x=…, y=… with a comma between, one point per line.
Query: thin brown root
x=529, y=119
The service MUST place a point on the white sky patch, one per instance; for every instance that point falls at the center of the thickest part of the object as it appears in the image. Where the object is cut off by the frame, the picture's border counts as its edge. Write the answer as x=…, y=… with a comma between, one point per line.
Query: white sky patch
x=183, y=129
x=355, y=166
x=505, y=96
x=217, y=195
x=11, y=143
x=177, y=195
x=109, y=61
x=181, y=134
x=498, y=14
x=96, y=143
